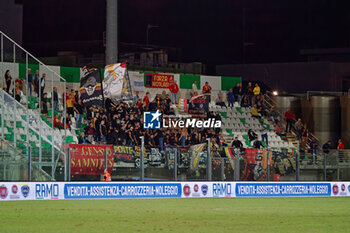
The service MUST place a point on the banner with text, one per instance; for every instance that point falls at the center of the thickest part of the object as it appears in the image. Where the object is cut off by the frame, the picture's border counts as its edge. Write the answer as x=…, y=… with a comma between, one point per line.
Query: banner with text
x=90, y=159
x=14, y=191
x=158, y=80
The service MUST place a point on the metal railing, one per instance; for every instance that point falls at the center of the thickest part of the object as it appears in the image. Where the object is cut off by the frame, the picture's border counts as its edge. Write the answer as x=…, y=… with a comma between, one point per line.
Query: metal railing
x=269, y=102
x=28, y=110
x=16, y=166
x=222, y=164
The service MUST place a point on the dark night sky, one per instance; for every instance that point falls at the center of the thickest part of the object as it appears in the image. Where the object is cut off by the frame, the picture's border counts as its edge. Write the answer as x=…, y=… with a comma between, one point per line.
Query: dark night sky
x=209, y=31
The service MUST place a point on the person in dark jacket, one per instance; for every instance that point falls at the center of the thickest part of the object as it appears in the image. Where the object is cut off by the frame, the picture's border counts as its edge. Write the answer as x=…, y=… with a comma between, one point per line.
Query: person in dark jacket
x=252, y=135
x=327, y=146
x=8, y=79
x=55, y=99
x=257, y=144
x=237, y=143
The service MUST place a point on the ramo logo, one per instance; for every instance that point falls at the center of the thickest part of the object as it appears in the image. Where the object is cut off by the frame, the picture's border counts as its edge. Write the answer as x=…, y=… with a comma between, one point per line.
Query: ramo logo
x=45, y=191
x=335, y=189
x=151, y=120
x=222, y=189
x=25, y=190
x=204, y=189
x=187, y=190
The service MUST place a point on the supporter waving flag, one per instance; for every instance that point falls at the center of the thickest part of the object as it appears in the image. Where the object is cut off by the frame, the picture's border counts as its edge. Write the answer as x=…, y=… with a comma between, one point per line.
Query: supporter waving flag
x=91, y=88
x=116, y=84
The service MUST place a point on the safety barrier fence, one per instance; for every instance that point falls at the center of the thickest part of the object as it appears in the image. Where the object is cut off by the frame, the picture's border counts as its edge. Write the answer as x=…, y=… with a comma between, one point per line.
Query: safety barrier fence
x=195, y=163
x=200, y=163
x=122, y=190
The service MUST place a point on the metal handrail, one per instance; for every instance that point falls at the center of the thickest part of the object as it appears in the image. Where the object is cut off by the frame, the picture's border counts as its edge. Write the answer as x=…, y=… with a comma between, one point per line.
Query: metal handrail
x=265, y=97
x=41, y=63
x=19, y=152
x=40, y=122
x=37, y=116
x=11, y=146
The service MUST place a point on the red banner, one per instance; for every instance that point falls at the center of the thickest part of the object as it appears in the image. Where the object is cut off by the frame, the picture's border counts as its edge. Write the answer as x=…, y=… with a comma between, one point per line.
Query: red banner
x=256, y=159
x=158, y=80
x=90, y=159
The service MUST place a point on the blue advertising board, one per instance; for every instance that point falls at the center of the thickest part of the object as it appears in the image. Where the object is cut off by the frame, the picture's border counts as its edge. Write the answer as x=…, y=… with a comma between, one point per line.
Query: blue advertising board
x=282, y=189
x=121, y=190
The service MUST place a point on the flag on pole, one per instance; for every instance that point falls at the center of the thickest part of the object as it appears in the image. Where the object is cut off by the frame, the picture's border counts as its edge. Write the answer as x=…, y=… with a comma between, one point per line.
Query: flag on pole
x=116, y=84
x=91, y=88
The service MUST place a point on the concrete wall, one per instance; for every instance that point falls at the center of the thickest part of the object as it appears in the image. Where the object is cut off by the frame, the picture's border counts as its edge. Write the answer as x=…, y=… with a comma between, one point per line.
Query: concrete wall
x=293, y=77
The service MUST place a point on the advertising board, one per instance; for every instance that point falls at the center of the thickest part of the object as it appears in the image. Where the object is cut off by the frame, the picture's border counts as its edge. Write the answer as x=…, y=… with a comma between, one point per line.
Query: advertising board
x=13, y=191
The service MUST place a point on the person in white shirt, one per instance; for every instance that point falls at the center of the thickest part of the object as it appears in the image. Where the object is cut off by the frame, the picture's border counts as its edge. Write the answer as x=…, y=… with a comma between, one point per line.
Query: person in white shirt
x=194, y=86
x=263, y=131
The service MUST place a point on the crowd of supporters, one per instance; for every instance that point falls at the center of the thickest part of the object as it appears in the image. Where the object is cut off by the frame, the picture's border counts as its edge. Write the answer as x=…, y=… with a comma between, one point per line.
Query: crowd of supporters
x=122, y=124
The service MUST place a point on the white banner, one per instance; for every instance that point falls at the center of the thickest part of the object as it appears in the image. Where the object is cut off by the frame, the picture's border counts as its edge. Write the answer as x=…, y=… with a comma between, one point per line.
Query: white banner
x=138, y=80
x=340, y=189
x=31, y=191
x=114, y=83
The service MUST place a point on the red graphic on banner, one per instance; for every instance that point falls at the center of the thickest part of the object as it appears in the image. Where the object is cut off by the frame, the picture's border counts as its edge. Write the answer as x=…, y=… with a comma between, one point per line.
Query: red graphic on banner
x=90, y=159
x=159, y=80
x=256, y=159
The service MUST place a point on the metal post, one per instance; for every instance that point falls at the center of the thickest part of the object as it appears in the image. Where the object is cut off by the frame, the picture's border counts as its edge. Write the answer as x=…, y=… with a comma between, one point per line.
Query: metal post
x=52, y=129
x=3, y=85
x=268, y=167
x=2, y=59
x=65, y=117
x=68, y=165
x=237, y=167
x=105, y=154
x=27, y=91
x=40, y=123
x=222, y=169
x=324, y=166
x=29, y=164
x=175, y=163
x=209, y=161
x=2, y=114
x=15, y=123
x=142, y=169
x=297, y=173
x=14, y=106
x=112, y=32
